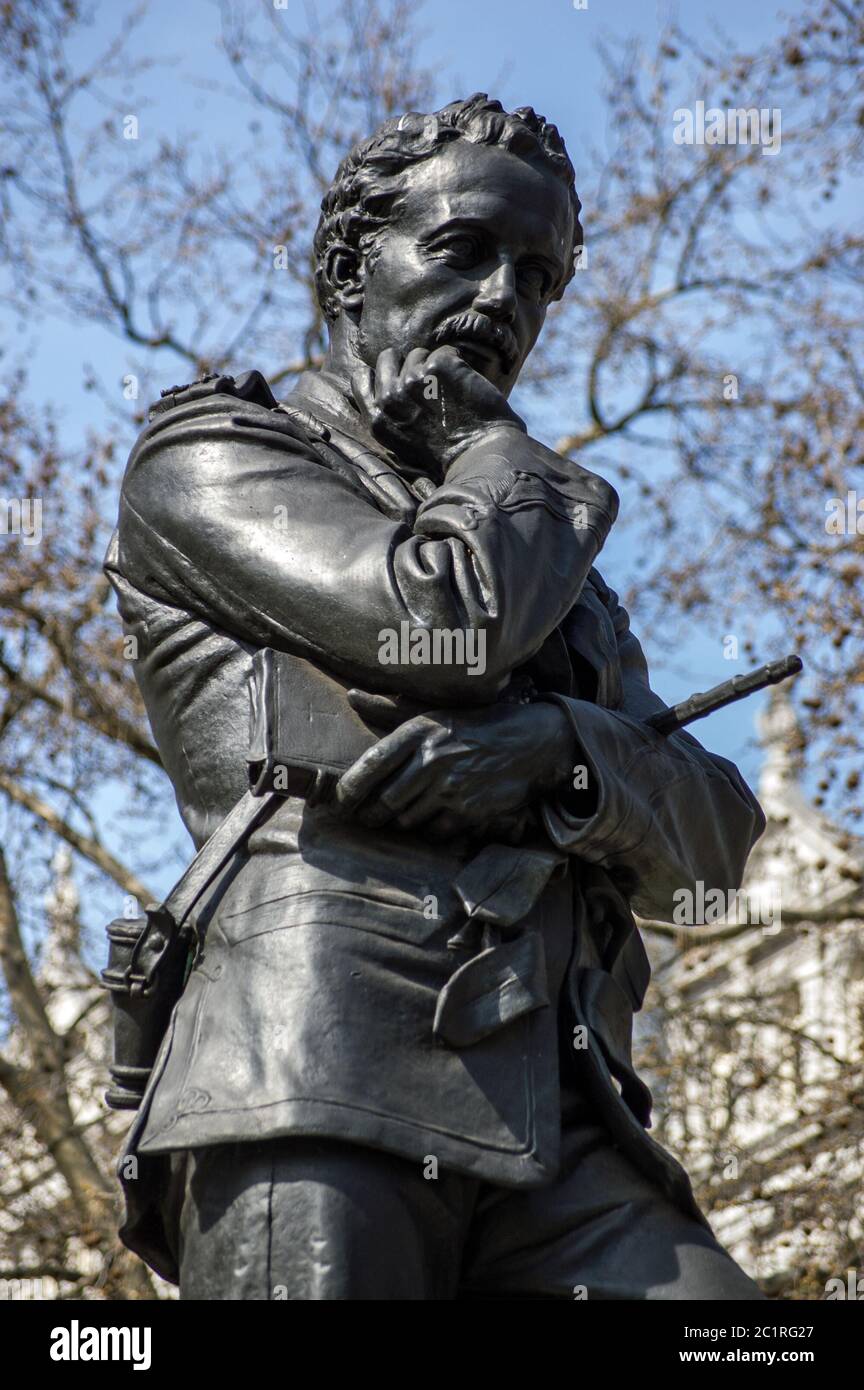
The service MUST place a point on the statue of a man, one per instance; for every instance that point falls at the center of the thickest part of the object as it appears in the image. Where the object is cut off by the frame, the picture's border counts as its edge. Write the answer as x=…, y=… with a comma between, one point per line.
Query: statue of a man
x=401, y=1067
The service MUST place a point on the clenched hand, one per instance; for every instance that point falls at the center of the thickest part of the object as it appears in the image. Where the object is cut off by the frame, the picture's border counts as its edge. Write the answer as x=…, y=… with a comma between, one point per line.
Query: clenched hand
x=453, y=773
x=434, y=404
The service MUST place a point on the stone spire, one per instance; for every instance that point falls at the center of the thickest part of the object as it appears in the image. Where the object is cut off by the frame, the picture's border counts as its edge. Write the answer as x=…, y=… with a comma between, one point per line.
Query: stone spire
x=778, y=728
x=801, y=846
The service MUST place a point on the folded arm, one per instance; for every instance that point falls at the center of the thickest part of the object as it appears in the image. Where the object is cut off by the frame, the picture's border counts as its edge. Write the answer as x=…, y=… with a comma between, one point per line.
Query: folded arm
x=228, y=511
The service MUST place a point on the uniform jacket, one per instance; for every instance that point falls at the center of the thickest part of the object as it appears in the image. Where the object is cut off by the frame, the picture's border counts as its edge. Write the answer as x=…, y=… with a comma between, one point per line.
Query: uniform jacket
x=338, y=991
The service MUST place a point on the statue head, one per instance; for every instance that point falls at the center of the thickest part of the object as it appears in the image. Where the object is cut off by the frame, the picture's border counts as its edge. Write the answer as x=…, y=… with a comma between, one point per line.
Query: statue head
x=456, y=227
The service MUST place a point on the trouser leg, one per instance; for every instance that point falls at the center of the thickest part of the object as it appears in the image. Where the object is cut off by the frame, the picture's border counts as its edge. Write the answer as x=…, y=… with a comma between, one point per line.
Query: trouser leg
x=307, y=1219
x=600, y=1231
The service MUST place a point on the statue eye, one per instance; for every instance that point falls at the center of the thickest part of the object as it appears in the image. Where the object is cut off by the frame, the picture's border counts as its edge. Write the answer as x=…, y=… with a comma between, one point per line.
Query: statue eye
x=534, y=279
x=463, y=248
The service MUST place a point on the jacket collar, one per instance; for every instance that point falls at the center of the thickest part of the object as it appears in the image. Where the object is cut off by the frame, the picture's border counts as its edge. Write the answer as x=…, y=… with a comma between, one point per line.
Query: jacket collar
x=323, y=395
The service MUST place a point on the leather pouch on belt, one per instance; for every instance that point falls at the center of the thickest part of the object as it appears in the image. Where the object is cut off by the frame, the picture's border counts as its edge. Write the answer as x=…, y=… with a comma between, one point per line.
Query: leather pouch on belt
x=303, y=732
x=609, y=1015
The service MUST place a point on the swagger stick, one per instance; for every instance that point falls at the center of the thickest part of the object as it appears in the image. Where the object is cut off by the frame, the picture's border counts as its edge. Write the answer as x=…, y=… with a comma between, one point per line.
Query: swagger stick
x=702, y=703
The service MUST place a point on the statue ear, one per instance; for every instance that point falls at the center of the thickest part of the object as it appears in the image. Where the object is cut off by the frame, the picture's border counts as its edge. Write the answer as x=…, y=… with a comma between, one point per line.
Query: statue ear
x=344, y=270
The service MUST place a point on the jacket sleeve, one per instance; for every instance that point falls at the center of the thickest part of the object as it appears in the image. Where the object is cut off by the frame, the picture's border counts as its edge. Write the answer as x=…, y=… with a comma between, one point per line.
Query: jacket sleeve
x=666, y=813
x=228, y=511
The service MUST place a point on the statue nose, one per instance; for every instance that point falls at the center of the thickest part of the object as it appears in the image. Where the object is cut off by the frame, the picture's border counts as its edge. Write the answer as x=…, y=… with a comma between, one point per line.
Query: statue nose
x=497, y=294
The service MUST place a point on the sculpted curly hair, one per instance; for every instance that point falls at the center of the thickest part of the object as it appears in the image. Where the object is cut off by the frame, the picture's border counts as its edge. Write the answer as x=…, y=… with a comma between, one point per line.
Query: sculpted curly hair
x=366, y=192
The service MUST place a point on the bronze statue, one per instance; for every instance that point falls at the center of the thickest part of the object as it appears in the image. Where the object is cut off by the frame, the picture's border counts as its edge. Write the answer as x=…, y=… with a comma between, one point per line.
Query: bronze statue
x=400, y=1066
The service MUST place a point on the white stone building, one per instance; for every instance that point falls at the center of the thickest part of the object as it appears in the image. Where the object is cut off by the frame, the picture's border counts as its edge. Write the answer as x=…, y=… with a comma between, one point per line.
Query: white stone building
x=754, y=1043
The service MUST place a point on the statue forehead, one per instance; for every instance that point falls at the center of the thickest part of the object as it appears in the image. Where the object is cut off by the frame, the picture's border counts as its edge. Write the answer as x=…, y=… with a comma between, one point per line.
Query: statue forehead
x=486, y=182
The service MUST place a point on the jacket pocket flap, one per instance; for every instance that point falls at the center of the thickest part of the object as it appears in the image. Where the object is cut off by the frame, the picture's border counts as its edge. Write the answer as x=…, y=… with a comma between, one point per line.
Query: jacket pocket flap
x=491, y=990
x=501, y=884
x=363, y=911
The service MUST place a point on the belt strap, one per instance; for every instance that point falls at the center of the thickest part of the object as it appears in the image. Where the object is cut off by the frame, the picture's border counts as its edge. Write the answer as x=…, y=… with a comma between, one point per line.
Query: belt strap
x=167, y=920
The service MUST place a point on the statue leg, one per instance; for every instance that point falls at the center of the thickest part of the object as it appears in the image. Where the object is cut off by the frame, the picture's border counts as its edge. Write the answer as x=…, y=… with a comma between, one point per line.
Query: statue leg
x=602, y=1230
x=319, y=1219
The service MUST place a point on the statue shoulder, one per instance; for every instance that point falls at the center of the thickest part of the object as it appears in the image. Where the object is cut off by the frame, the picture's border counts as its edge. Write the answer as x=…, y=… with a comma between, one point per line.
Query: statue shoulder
x=199, y=424
x=249, y=386
x=250, y=390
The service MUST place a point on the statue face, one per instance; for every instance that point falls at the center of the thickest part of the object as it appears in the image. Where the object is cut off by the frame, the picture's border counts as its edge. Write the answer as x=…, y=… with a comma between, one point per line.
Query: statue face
x=482, y=232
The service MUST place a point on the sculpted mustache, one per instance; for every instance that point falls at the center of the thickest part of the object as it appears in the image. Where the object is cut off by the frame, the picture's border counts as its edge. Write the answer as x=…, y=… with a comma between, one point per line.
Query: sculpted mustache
x=471, y=325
